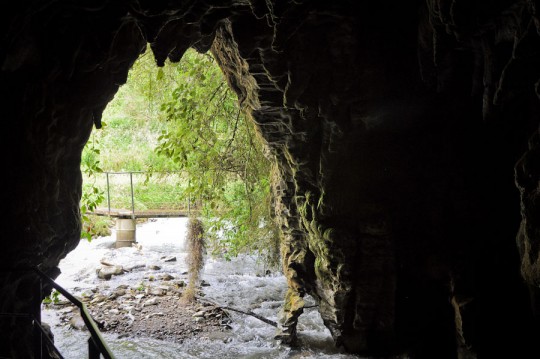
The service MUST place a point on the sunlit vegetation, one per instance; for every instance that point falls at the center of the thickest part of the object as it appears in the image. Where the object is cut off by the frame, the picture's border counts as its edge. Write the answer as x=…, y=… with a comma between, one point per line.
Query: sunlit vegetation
x=184, y=120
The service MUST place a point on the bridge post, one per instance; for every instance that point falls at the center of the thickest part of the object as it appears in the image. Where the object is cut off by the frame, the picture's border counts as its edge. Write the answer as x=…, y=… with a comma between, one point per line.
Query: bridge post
x=125, y=230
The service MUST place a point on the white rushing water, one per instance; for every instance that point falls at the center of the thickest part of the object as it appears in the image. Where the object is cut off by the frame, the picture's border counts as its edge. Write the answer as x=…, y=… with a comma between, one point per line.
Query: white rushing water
x=240, y=283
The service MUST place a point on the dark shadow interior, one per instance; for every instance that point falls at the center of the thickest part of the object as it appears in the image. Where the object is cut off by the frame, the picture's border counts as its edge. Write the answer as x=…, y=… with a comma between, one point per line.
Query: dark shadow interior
x=405, y=135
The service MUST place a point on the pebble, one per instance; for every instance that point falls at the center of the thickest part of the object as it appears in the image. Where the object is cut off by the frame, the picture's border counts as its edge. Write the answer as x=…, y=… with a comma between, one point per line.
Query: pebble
x=166, y=277
x=120, y=292
x=154, y=291
x=98, y=299
x=158, y=314
x=151, y=301
x=199, y=314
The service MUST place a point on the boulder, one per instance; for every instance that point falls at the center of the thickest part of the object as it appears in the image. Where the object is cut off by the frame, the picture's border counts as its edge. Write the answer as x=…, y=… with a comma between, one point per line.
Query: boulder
x=106, y=272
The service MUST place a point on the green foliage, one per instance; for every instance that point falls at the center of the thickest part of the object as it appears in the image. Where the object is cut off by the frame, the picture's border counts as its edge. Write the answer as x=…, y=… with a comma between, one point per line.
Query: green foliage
x=187, y=113
x=213, y=141
x=127, y=144
x=96, y=226
x=53, y=298
x=92, y=196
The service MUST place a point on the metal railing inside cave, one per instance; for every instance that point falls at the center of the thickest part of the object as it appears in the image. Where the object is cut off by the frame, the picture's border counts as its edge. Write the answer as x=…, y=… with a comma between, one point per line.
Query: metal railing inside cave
x=139, y=194
x=97, y=347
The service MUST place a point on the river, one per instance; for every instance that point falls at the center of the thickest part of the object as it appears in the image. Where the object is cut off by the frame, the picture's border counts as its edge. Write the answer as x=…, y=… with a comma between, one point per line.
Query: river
x=242, y=282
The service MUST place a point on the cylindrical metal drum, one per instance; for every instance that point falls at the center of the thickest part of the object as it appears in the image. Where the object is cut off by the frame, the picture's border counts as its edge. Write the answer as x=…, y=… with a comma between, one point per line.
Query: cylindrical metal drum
x=125, y=232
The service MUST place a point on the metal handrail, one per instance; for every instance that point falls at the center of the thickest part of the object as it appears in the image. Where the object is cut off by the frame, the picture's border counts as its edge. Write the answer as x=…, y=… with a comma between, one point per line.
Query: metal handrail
x=96, y=344
x=95, y=335
x=131, y=212
x=130, y=173
x=47, y=339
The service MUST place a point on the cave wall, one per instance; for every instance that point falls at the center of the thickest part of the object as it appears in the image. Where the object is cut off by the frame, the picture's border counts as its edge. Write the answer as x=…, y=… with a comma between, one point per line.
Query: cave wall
x=395, y=128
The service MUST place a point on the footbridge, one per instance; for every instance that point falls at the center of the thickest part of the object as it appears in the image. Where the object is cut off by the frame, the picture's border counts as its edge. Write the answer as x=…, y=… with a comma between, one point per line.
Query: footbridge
x=137, y=194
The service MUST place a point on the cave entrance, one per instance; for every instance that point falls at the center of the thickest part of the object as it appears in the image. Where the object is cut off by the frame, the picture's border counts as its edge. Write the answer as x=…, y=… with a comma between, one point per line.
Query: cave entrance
x=174, y=139
x=176, y=143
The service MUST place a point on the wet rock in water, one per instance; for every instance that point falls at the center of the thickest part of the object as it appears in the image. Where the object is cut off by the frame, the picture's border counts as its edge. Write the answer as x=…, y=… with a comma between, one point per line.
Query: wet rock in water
x=120, y=292
x=135, y=266
x=223, y=336
x=154, y=267
x=205, y=283
x=106, y=272
x=180, y=283
x=168, y=259
x=77, y=322
x=166, y=277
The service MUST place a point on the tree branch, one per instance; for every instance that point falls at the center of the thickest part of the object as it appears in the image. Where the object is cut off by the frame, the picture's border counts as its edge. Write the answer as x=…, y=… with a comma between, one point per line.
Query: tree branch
x=249, y=312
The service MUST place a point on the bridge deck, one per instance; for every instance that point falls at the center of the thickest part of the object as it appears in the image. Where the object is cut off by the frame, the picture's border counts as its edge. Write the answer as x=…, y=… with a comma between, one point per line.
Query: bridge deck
x=151, y=213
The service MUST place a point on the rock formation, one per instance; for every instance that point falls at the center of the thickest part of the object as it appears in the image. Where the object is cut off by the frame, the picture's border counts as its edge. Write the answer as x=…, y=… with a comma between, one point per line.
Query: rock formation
x=405, y=137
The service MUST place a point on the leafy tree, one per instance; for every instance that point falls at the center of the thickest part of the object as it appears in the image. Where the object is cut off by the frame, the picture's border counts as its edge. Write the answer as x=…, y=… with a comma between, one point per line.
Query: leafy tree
x=212, y=140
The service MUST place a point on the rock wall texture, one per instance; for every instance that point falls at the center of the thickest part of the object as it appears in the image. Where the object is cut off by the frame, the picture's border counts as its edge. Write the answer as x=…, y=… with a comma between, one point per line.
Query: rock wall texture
x=405, y=137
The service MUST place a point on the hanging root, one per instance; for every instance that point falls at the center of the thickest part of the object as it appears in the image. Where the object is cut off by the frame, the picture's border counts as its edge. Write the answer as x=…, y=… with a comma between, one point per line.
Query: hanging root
x=195, y=258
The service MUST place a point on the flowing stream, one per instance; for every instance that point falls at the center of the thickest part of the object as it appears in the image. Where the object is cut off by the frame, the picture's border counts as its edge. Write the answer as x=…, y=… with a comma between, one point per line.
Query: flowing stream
x=242, y=283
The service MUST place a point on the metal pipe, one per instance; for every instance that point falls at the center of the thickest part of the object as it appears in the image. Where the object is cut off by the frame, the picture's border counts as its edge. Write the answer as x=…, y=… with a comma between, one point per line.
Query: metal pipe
x=36, y=313
x=50, y=343
x=132, y=197
x=108, y=194
x=93, y=351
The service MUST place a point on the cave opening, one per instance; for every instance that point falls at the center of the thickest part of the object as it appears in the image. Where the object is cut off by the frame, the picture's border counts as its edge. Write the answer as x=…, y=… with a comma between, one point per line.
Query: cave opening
x=121, y=154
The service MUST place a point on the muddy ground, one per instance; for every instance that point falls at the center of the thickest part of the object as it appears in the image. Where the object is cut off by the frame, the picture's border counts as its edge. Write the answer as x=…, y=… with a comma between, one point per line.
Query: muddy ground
x=154, y=309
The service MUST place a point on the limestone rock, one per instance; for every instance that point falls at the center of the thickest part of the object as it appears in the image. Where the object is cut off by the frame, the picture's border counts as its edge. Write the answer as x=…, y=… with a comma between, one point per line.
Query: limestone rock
x=106, y=272
x=77, y=322
x=151, y=301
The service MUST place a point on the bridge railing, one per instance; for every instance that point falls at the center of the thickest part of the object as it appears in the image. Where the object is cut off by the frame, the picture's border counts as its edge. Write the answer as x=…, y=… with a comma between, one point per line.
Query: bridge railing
x=144, y=191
